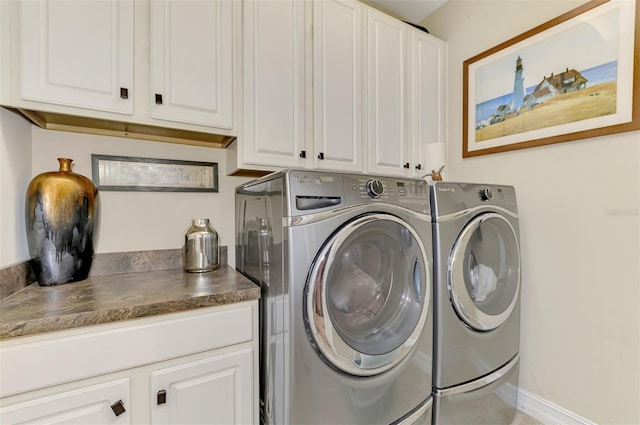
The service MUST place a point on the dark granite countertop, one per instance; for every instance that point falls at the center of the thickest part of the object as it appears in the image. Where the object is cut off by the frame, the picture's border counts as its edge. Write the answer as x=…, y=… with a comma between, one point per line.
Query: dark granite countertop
x=111, y=298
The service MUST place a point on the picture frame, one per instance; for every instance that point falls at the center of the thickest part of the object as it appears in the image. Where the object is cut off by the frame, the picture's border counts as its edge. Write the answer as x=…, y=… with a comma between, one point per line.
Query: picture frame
x=125, y=173
x=574, y=77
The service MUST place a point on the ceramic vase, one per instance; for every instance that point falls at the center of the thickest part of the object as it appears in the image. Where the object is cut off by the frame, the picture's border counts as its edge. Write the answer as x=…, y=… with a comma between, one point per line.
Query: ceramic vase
x=62, y=217
x=200, y=248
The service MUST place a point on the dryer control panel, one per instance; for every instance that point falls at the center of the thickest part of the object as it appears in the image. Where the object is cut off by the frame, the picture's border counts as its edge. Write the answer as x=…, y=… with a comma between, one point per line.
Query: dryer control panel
x=451, y=197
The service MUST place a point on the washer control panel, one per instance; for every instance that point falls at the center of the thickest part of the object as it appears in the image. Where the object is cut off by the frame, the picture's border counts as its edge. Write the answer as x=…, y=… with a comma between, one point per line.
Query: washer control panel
x=313, y=190
x=408, y=193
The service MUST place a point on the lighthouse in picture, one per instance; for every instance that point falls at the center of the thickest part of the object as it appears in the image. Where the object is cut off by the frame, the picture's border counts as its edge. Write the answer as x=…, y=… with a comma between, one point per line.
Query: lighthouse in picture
x=518, y=87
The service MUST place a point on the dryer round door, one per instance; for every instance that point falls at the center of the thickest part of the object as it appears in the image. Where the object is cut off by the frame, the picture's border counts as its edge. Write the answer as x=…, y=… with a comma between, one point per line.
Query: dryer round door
x=484, y=272
x=367, y=295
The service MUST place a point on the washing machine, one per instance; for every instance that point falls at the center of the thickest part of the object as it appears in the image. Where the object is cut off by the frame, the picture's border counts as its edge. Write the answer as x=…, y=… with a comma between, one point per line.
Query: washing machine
x=476, y=303
x=344, y=263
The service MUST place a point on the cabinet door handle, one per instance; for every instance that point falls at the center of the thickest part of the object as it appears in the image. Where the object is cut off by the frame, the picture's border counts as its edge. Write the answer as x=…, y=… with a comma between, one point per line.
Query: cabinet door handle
x=124, y=93
x=406, y=165
x=303, y=154
x=162, y=397
x=158, y=99
x=419, y=167
x=321, y=155
x=118, y=408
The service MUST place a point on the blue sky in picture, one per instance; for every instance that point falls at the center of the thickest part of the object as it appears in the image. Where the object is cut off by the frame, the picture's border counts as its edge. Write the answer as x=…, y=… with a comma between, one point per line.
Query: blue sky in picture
x=584, y=45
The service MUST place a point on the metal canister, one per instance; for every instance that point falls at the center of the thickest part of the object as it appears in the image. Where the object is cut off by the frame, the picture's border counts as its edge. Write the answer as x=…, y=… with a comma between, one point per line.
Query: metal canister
x=200, y=249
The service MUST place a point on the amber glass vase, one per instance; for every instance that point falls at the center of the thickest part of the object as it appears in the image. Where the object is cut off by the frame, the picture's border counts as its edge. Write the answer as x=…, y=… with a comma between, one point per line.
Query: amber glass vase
x=62, y=217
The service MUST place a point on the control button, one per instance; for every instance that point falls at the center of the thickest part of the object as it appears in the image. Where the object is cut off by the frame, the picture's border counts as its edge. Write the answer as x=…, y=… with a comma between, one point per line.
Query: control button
x=375, y=189
x=486, y=194
x=401, y=190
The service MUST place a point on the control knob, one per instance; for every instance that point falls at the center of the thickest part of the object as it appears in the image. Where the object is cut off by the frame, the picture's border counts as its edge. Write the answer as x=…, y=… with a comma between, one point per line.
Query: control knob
x=486, y=194
x=375, y=189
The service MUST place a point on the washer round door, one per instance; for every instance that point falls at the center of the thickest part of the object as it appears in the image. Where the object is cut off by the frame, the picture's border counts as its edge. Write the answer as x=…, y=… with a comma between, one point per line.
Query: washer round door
x=367, y=295
x=484, y=272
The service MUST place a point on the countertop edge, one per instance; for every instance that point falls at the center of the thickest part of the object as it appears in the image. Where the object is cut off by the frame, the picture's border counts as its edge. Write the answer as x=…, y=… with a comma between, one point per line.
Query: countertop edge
x=79, y=320
x=237, y=288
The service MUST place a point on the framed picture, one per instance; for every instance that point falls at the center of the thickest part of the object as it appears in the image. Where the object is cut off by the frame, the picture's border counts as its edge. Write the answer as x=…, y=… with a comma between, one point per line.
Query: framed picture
x=124, y=173
x=571, y=78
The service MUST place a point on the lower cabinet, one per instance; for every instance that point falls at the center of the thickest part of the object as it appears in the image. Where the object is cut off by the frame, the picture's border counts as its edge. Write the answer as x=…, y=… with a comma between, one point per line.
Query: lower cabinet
x=215, y=390
x=105, y=403
x=216, y=386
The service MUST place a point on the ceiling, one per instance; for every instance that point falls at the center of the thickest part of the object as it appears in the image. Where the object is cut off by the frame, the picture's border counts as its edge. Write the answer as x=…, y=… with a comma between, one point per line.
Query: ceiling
x=412, y=11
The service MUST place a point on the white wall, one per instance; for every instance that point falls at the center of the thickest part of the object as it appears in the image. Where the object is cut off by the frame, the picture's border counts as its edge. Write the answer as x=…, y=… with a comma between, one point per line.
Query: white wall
x=138, y=221
x=15, y=174
x=130, y=221
x=579, y=206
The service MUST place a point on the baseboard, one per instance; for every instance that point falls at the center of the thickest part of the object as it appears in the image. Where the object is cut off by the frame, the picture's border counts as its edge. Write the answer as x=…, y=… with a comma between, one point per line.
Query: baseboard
x=547, y=412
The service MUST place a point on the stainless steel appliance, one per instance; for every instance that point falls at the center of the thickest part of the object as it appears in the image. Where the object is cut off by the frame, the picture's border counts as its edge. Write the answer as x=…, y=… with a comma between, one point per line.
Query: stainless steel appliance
x=476, y=303
x=344, y=263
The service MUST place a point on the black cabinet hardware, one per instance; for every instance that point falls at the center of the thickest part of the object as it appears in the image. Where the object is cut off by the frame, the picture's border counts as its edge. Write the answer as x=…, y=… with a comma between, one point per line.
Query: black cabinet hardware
x=118, y=408
x=158, y=99
x=406, y=165
x=124, y=93
x=162, y=397
x=321, y=155
x=303, y=154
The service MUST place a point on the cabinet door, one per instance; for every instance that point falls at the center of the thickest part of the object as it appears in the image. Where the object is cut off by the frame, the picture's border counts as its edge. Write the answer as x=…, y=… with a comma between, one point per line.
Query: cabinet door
x=428, y=106
x=337, y=79
x=216, y=390
x=387, y=104
x=192, y=61
x=106, y=403
x=77, y=53
x=274, y=98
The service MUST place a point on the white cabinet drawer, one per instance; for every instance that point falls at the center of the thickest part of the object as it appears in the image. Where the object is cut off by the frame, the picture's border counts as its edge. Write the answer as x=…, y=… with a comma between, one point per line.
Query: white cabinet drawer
x=35, y=362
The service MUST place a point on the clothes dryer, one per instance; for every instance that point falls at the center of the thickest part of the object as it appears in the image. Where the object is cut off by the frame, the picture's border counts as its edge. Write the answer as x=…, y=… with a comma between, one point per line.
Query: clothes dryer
x=476, y=303
x=344, y=263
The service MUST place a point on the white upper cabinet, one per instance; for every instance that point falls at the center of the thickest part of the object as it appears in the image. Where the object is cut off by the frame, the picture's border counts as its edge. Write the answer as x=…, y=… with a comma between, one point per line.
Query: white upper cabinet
x=331, y=85
x=302, y=85
x=428, y=103
x=318, y=84
x=273, y=132
x=337, y=80
x=191, y=61
x=387, y=91
x=152, y=69
x=77, y=53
